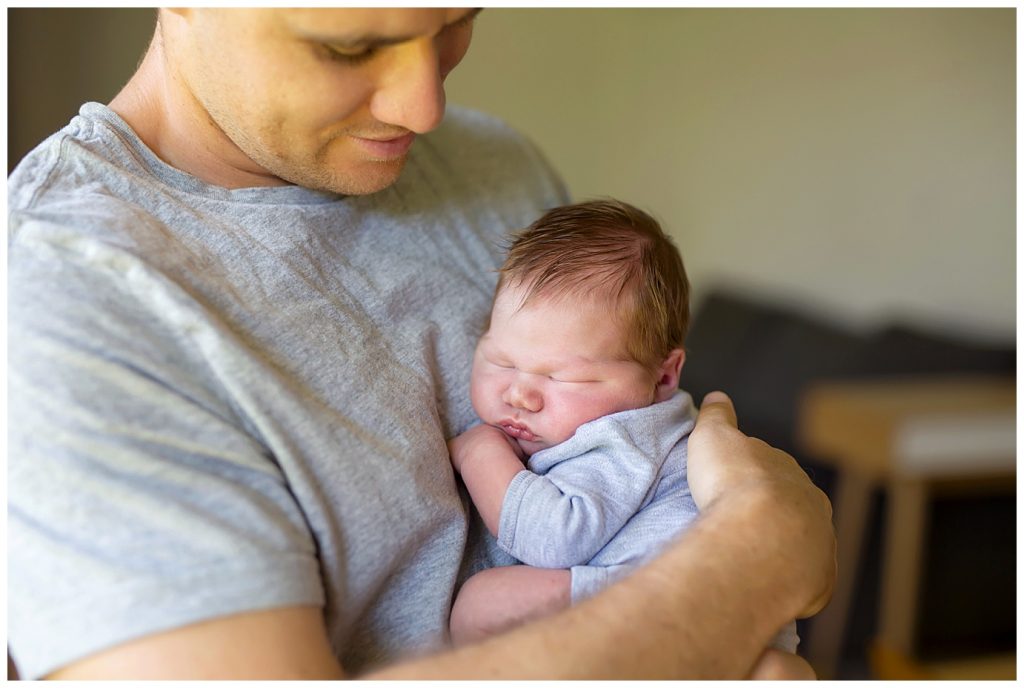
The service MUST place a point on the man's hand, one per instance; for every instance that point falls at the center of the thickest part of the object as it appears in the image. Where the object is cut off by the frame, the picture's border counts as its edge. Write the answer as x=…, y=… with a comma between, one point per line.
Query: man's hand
x=720, y=457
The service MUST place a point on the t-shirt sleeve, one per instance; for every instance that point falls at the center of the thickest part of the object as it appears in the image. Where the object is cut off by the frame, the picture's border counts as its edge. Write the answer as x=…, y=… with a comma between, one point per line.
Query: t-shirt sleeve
x=139, y=500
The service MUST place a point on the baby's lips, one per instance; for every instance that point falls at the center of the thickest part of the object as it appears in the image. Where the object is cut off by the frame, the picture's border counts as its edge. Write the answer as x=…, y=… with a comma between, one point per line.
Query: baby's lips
x=520, y=432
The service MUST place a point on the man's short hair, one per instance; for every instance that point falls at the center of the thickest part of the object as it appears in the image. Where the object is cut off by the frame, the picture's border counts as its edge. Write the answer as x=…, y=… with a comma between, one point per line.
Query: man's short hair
x=607, y=248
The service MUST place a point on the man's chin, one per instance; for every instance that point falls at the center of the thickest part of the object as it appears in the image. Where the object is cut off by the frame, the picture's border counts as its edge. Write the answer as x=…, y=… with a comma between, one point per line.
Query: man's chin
x=372, y=177
x=368, y=177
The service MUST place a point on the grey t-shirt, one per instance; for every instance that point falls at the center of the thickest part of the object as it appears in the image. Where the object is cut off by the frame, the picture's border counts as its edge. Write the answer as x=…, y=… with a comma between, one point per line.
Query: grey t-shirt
x=230, y=400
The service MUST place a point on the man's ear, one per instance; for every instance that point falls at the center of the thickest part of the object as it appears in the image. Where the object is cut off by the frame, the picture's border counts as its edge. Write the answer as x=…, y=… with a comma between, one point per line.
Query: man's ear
x=668, y=375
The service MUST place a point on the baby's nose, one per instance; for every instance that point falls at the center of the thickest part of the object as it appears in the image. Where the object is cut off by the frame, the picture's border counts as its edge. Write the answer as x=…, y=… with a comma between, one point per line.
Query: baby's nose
x=524, y=396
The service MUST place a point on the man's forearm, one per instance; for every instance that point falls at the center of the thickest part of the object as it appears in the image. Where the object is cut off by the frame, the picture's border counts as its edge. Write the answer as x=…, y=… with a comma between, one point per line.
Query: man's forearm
x=704, y=609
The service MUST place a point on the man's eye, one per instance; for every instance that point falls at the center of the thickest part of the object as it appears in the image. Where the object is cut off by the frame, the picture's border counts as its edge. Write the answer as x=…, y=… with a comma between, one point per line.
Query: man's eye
x=350, y=57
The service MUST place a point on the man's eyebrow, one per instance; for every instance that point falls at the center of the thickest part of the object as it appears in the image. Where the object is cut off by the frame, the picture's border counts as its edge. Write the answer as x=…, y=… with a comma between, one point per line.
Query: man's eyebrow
x=375, y=41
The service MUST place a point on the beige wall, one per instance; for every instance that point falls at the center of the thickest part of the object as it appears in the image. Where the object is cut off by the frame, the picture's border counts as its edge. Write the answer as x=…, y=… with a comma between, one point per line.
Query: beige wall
x=861, y=162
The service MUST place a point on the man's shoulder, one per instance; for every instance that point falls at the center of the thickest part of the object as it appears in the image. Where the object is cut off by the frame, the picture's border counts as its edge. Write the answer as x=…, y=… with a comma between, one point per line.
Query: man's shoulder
x=32, y=174
x=53, y=196
x=86, y=186
x=72, y=177
x=64, y=159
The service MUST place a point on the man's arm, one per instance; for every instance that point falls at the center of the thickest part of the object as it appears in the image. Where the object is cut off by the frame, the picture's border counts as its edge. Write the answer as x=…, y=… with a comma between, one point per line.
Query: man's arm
x=285, y=643
x=762, y=553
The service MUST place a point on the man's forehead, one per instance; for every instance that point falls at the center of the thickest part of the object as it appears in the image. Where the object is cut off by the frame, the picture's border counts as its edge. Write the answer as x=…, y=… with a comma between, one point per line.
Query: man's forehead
x=391, y=24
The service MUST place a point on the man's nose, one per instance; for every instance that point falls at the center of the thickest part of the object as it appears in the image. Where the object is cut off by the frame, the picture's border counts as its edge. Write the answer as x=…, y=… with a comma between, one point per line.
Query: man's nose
x=412, y=93
x=520, y=394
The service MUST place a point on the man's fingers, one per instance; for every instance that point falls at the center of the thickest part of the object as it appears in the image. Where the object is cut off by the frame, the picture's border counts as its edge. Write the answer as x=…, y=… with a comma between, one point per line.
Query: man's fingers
x=717, y=406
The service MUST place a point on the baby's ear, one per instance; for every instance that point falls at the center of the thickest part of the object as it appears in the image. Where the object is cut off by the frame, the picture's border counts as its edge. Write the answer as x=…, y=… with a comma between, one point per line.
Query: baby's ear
x=668, y=375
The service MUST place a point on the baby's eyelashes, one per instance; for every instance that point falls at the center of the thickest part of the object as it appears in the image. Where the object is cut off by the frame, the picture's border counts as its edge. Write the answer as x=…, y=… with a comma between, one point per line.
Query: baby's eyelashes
x=569, y=381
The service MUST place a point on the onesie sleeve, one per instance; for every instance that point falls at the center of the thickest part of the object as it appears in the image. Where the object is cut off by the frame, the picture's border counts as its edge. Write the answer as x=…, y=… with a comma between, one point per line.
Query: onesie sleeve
x=563, y=517
x=139, y=501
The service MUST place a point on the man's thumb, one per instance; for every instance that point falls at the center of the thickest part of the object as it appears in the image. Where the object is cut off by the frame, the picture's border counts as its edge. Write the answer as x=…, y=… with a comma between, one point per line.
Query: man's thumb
x=717, y=407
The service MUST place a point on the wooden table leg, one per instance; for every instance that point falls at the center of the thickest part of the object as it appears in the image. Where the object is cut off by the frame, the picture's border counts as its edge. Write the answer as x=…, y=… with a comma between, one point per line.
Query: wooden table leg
x=906, y=533
x=826, y=631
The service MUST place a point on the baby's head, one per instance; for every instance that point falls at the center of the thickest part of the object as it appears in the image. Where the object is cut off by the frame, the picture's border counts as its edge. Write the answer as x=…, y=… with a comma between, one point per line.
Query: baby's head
x=589, y=318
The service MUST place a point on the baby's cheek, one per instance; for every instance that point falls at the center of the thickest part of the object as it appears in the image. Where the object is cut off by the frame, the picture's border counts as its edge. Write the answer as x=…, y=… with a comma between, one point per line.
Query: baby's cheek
x=565, y=416
x=477, y=396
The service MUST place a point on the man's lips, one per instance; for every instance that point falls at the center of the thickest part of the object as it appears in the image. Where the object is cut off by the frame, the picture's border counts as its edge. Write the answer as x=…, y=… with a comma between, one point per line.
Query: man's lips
x=386, y=149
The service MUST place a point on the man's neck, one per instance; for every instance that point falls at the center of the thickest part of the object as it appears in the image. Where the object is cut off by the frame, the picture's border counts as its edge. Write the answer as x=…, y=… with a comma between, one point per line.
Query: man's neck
x=167, y=117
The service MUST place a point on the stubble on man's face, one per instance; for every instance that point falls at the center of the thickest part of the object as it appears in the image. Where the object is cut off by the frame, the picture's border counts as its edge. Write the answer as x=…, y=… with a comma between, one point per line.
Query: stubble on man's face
x=322, y=161
x=292, y=113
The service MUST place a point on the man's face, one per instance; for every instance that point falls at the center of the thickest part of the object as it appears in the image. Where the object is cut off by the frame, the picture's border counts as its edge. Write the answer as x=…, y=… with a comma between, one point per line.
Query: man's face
x=329, y=99
x=545, y=369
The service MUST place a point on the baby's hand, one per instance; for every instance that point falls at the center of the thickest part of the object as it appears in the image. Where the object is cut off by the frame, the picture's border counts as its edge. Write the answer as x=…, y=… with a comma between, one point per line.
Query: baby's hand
x=480, y=440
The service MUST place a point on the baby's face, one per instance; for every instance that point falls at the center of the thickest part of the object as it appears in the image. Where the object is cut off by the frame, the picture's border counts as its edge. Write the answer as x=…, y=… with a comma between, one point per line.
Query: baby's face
x=543, y=370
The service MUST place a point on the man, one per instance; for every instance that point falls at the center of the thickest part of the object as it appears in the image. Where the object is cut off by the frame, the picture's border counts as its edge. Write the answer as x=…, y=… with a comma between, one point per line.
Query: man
x=243, y=300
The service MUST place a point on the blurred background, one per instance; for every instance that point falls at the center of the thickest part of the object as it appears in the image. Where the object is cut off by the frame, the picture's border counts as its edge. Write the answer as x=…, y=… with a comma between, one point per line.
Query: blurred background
x=841, y=184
